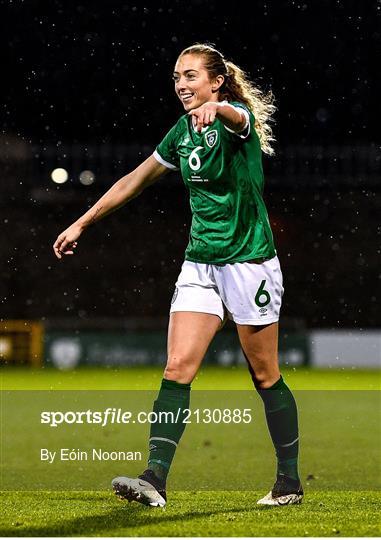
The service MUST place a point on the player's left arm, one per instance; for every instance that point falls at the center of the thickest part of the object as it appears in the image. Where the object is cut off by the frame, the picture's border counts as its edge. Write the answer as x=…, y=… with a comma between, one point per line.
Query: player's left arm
x=234, y=118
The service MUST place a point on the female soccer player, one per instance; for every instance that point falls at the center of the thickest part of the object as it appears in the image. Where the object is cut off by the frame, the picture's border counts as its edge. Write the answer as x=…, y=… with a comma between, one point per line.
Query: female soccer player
x=230, y=267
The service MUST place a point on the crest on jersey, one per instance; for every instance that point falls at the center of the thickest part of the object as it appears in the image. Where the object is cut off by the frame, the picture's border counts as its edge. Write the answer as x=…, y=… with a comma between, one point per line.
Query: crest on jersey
x=211, y=138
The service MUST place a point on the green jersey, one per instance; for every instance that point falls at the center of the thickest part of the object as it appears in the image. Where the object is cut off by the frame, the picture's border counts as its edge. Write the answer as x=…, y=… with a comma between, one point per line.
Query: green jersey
x=223, y=172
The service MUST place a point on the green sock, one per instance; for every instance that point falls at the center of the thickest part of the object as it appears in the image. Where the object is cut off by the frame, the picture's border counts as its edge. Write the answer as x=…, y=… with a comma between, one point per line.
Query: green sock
x=282, y=421
x=165, y=435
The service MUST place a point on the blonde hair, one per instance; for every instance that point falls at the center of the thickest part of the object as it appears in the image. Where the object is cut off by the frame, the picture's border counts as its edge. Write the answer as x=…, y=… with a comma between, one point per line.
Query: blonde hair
x=238, y=87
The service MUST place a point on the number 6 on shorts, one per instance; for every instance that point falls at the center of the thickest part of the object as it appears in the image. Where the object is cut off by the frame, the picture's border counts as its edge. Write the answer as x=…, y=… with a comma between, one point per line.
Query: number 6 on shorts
x=262, y=293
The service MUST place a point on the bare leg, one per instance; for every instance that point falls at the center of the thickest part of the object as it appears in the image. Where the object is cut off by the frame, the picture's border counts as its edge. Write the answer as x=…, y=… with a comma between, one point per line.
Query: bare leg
x=189, y=336
x=260, y=346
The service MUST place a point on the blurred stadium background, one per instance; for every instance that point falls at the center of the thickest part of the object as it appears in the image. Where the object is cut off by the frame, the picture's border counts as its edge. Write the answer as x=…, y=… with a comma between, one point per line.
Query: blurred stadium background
x=89, y=96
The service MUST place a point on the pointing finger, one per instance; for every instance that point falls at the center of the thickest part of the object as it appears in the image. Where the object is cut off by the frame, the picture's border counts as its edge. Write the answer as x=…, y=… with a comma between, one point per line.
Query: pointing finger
x=57, y=252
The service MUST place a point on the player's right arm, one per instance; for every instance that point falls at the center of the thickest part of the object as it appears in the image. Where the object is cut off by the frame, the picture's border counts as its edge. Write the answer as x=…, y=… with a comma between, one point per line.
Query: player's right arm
x=125, y=189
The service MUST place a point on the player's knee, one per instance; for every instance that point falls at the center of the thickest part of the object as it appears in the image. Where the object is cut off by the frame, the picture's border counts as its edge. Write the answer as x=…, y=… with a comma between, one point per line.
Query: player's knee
x=178, y=370
x=267, y=383
x=264, y=377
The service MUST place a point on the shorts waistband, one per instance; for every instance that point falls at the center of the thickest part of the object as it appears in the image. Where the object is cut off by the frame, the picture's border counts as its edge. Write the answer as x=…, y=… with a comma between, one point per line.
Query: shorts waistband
x=251, y=261
x=259, y=261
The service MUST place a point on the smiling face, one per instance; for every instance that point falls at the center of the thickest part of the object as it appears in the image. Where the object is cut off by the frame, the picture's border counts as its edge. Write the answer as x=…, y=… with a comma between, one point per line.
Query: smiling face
x=192, y=83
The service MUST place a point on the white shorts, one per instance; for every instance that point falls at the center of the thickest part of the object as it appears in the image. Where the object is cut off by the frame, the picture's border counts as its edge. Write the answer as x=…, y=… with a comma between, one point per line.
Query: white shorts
x=248, y=293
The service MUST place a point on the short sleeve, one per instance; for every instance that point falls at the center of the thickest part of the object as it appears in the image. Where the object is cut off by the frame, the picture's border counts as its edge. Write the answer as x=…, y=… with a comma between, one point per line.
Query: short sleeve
x=166, y=151
x=244, y=134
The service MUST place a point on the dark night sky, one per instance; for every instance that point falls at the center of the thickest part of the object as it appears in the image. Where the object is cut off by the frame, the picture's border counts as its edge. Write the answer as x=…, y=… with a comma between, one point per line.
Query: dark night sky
x=96, y=72
x=100, y=71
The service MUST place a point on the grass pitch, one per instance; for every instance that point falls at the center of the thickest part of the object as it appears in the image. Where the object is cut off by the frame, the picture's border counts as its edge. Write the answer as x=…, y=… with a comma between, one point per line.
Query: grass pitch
x=189, y=514
x=208, y=378
x=350, y=510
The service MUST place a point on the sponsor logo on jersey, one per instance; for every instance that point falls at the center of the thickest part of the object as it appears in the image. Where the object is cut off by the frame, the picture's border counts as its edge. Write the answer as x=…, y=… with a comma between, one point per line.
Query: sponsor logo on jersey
x=211, y=138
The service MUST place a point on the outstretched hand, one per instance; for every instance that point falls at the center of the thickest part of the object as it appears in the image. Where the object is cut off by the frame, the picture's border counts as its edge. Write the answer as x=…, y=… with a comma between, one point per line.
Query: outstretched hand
x=67, y=241
x=205, y=115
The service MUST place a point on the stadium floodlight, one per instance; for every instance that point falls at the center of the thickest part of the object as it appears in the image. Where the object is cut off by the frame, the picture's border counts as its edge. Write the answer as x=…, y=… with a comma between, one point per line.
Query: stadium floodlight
x=59, y=176
x=87, y=178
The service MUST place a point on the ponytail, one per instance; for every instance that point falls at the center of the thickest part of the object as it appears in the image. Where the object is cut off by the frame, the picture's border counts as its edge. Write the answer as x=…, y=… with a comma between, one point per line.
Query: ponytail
x=237, y=87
